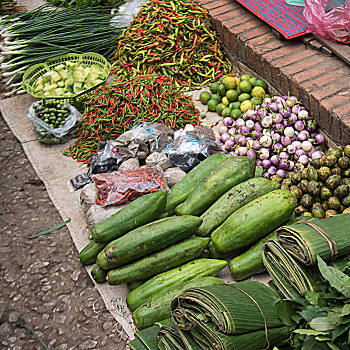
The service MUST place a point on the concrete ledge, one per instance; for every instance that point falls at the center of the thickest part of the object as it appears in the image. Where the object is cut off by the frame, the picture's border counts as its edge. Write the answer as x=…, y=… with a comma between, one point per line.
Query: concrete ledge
x=321, y=82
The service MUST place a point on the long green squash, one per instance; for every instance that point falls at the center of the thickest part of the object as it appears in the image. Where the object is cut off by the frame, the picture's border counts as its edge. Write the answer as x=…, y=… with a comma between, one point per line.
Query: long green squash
x=254, y=221
x=228, y=174
x=251, y=262
x=90, y=252
x=159, y=308
x=160, y=261
x=180, y=191
x=140, y=212
x=172, y=279
x=146, y=240
x=232, y=200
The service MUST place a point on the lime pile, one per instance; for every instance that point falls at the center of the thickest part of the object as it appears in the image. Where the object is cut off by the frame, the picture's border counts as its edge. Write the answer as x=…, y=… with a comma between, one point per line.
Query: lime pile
x=233, y=96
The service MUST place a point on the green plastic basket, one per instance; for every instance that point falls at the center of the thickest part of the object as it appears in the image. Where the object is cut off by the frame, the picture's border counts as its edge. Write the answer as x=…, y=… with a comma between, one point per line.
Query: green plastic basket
x=33, y=73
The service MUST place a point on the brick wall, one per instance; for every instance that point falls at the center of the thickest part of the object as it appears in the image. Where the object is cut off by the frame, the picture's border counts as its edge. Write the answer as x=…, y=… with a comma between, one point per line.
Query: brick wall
x=322, y=83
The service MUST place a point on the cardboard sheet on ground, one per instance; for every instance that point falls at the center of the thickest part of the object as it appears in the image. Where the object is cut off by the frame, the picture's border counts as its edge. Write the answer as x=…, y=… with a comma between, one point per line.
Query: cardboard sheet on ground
x=55, y=170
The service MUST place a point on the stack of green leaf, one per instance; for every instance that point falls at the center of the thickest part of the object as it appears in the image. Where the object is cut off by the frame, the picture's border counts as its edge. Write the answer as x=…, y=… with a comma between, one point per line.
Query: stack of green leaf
x=244, y=315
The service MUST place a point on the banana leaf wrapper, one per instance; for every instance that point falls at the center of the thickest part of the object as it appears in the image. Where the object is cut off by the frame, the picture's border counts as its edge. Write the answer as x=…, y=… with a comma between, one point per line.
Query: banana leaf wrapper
x=210, y=338
x=329, y=238
x=147, y=339
x=223, y=305
x=290, y=278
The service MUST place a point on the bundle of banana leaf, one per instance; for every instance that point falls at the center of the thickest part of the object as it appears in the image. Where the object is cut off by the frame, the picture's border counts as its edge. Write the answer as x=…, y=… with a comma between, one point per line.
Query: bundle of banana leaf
x=290, y=278
x=231, y=316
x=329, y=238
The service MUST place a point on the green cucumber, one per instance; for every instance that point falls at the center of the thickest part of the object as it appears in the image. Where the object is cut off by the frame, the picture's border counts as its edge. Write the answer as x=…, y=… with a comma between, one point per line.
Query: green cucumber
x=147, y=239
x=228, y=174
x=180, y=191
x=160, y=261
x=159, y=309
x=254, y=221
x=173, y=278
x=140, y=212
x=232, y=200
x=133, y=285
x=251, y=261
x=98, y=274
x=89, y=253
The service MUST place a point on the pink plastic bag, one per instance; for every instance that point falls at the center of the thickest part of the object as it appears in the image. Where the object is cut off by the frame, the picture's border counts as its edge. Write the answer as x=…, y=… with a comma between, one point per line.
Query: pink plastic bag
x=329, y=19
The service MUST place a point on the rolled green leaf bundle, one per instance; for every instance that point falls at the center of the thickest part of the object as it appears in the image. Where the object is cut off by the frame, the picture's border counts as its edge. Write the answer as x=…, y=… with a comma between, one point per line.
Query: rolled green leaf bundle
x=329, y=238
x=214, y=318
x=290, y=278
x=147, y=339
x=170, y=339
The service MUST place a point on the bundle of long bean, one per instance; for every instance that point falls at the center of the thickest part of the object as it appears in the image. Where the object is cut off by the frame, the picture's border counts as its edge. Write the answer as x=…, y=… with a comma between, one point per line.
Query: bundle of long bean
x=115, y=108
x=329, y=238
x=43, y=33
x=173, y=39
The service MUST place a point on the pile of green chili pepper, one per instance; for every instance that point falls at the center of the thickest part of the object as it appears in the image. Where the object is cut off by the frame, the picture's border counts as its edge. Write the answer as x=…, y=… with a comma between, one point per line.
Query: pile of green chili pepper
x=116, y=108
x=173, y=39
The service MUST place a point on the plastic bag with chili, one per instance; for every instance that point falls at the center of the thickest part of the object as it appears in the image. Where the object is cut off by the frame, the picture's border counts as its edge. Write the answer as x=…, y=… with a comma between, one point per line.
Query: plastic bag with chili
x=120, y=186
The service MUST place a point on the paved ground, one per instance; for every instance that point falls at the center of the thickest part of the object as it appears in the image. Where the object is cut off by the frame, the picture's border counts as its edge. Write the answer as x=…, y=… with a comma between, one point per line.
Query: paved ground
x=43, y=286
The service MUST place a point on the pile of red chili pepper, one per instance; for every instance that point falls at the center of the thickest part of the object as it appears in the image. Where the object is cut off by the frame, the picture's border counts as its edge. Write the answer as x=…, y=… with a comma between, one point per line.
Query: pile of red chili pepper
x=115, y=108
x=174, y=39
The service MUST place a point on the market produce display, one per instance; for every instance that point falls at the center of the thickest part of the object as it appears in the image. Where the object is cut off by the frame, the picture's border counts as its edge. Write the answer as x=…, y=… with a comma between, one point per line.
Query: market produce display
x=274, y=197
x=115, y=108
x=323, y=187
x=43, y=33
x=173, y=39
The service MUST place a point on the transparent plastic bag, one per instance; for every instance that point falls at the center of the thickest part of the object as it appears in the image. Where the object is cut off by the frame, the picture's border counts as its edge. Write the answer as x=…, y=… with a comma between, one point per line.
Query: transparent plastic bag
x=106, y=160
x=329, y=19
x=189, y=149
x=122, y=186
x=144, y=139
x=54, y=136
x=123, y=16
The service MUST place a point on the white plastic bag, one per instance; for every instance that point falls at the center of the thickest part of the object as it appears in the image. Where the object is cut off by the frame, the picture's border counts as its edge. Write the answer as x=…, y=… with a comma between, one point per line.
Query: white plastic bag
x=54, y=136
x=124, y=14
